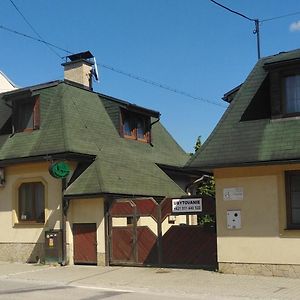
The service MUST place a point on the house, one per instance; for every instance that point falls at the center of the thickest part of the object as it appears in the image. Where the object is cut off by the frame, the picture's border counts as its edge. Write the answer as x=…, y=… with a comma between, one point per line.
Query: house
x=66, y=153
x=254, y=154
x=5, y=83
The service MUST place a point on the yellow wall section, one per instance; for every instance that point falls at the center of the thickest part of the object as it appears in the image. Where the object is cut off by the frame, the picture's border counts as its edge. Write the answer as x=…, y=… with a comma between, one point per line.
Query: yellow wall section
x=263, y=237
x=11, y=232
x=86, y=211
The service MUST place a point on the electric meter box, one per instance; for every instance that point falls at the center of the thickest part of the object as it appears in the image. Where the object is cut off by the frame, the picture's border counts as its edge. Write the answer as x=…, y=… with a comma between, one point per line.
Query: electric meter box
x=53, y=246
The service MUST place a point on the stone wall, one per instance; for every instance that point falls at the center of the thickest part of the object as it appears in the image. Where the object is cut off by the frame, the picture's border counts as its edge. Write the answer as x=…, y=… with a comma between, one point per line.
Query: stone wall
x=292, y=271
x=22, y=252
x=101, y=259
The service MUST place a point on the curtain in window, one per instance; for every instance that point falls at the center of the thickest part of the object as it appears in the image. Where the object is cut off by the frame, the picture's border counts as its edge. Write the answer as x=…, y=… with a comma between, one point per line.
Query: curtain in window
x=39, y=202
x=32, y=202
x=25, y=202
x=292, y=94
x=140, y=128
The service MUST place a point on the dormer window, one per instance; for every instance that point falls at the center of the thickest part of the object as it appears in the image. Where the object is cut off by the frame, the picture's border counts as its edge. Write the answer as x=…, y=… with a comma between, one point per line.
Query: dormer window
x=135, y=126
x=26, y=114
x=284, y=88
x=292, y=94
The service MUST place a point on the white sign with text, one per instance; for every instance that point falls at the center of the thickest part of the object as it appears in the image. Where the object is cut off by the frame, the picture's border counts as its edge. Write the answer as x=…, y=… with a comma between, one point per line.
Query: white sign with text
x=187, y=205
x=236, y=193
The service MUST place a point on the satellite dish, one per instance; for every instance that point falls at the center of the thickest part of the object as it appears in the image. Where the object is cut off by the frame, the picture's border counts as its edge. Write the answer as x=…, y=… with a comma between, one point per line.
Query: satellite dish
x=95, y=73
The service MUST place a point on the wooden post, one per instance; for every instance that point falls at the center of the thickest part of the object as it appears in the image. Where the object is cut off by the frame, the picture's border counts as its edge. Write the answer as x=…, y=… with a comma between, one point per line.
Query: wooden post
x=159, y=235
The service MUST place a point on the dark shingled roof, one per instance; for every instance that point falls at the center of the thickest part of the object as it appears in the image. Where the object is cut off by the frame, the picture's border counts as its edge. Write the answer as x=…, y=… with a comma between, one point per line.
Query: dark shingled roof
x=234, y=142
x=74, y=120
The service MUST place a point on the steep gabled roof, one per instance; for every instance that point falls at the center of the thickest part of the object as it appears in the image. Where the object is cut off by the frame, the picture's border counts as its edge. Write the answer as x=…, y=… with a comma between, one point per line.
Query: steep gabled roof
x=74, y=120
x=236, y=141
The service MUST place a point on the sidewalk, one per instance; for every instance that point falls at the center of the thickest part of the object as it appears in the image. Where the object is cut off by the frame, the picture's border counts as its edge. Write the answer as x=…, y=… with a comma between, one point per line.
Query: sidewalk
x=154, y=280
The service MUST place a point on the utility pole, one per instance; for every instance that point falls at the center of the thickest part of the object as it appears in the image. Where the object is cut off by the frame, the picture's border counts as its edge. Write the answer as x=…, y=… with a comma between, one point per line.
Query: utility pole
x=256, y=31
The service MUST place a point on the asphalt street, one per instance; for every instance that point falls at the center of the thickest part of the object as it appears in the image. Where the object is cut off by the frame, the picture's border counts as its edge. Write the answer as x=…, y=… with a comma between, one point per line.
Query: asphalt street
x=25, y=281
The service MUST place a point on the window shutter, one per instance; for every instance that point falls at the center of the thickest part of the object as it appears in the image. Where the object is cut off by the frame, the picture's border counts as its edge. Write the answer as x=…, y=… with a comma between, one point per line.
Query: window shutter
x=36, y=114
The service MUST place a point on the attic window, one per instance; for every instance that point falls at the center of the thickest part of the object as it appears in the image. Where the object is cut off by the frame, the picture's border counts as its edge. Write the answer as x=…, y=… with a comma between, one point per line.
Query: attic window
x=26, y=114
x=135, y=126
x=292, y=94
x=284, y=88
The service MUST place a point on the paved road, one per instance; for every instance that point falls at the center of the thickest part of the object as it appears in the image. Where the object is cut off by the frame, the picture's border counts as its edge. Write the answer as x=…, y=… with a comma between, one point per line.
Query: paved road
x=26, y=289
x=23, y=281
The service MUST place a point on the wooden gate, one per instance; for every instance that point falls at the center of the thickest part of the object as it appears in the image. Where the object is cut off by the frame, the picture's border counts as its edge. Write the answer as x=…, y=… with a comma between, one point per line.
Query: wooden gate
x=130, y=242
x=143, y=232
x=85, y=243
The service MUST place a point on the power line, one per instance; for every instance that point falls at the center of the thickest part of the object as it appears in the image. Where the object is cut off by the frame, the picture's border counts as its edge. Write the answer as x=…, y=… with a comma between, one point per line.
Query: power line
x=160, y=85
x=256, y=30
x=130, y=75
x=231, y=10
x=32, y=28
x=257, y=22
x=280, y=17
x=33, y=38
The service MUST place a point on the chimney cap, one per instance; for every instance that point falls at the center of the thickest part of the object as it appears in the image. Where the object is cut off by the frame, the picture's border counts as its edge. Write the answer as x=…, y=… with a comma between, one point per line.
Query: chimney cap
x=81, y=55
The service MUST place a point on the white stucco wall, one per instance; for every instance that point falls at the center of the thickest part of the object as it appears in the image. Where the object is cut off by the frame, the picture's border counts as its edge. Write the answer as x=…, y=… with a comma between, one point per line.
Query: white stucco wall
x=263, y=237
x=87, y=211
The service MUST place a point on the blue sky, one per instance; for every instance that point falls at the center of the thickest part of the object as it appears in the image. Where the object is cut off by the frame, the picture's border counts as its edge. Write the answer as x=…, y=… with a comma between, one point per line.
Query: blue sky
x=190, y=45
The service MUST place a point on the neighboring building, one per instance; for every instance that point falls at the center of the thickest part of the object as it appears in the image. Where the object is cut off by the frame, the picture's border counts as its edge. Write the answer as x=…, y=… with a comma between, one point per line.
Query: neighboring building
x=5, y=83
x=115, y=149
x=254, y=154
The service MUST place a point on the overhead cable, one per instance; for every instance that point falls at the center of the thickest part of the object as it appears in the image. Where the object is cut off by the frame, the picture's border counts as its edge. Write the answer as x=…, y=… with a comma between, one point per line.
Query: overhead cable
x=130, y=75
x=280, y=17
x=32, y=28
x=231, y=10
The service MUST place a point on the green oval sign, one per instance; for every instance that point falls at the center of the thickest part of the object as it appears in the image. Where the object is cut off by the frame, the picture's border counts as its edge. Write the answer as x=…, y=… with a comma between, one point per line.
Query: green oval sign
x=59, y=170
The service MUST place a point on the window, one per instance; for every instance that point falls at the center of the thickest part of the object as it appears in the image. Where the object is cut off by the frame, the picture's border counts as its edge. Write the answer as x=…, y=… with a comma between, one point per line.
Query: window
x=135, y=126
x=293, y=199
x=26, y=114
x=31, y=202
x=292, y=94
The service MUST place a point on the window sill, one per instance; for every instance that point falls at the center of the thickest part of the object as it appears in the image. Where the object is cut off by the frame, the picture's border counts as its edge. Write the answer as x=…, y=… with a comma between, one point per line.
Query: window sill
x=290, y=233
x=132, y=138
x=286, y=118
x=29, y=224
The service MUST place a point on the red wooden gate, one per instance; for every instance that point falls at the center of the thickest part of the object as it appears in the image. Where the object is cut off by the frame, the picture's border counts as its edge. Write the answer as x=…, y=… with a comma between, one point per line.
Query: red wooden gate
x=140, y=234
x=85, y=243
x=129, y=242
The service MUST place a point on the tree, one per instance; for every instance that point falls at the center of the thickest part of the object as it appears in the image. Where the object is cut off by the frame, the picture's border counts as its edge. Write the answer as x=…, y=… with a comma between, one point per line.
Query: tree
x=207, y=187
x=198, y=143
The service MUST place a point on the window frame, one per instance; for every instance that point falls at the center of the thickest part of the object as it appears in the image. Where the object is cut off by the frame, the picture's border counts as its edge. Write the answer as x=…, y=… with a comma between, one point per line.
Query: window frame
x=17, y=114
x=289, y=221
x=134, y=118
x=284, y=75
x=35, y=220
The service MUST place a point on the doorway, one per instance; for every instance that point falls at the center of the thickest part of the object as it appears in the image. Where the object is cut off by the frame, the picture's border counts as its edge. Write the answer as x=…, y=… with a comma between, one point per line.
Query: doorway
x=85, y=243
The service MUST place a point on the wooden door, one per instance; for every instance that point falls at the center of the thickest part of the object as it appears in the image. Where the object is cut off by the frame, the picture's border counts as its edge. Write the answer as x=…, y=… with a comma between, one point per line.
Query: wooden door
x=85, y=243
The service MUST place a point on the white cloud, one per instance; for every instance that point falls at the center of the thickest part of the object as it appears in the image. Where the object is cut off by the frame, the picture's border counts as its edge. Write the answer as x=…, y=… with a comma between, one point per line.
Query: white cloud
x=295, y=26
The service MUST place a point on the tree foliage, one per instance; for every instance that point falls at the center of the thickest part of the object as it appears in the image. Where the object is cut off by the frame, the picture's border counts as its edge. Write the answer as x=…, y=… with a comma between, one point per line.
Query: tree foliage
x=198, y=143
x=207, y=187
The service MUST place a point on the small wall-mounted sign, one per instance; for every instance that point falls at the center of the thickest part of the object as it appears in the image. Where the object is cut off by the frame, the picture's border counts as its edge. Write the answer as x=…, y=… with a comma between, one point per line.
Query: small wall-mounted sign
x=59, y=170
x=187, y=205
x=236, y=193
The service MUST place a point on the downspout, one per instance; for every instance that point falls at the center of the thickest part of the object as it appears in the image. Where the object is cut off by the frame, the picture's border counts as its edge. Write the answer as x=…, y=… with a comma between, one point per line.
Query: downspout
x=65, y=206
x=158, y=119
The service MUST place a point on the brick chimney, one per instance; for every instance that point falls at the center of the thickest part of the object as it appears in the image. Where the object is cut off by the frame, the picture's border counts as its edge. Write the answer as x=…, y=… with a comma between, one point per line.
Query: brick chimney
x=78, y=69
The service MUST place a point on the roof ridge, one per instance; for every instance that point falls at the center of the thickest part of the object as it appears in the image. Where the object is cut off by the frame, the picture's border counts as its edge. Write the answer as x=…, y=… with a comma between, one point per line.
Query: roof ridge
x=224, y=116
